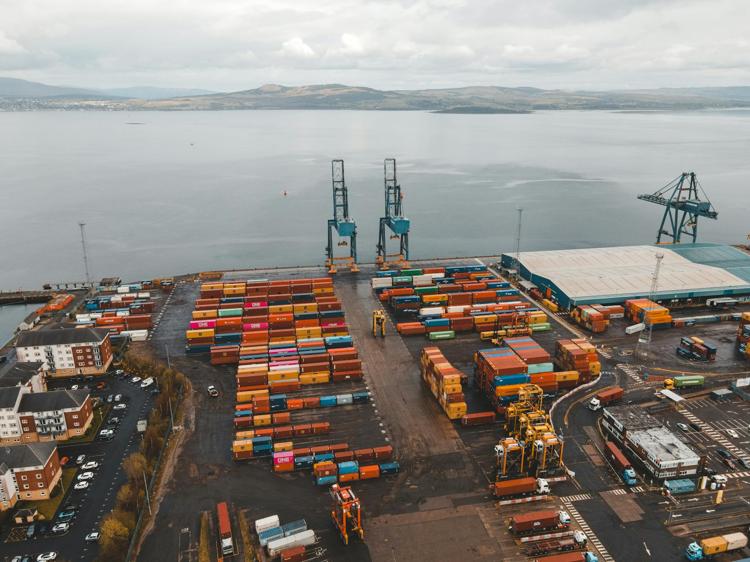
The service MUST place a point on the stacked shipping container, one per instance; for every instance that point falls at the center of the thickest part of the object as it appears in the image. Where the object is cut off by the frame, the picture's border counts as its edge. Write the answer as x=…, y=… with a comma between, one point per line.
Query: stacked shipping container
x=444, y=381
x=648, y=312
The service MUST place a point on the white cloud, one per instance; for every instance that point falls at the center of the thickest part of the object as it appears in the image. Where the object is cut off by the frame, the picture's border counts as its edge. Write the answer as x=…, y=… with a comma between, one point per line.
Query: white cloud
x=297, y=48
x=391, y=44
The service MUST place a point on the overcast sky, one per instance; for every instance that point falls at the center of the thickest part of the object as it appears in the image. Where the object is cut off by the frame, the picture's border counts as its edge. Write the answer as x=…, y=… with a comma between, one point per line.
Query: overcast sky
x=241, y=44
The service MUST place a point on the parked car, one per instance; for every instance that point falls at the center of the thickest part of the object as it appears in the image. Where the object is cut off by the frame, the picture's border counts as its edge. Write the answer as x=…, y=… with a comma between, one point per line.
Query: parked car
x=120, y=406
x=724, y=453
x=135, y=380
x=733, y=434
x=91, y=465
x=92, y=537
x=212, y=392
x=46, y=557
x=60, y=528
x=81, y=485
x=682, y=426
x=80, y=459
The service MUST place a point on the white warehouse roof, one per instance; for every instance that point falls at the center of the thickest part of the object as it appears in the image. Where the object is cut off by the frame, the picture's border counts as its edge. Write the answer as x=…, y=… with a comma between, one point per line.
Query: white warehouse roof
x=624, y=270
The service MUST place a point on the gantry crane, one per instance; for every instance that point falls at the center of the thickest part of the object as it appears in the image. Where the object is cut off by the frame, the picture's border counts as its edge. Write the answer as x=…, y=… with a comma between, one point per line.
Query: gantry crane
x=344, y=226
x=682, y=199
x=394, y=220
x=346, y=512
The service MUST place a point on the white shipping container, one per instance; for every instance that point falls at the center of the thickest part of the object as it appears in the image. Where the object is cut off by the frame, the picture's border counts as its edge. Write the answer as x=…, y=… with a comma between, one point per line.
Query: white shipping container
x=305, y=538
x=635, y=328
x=382, y=282
x=267, y=523
x=735, y=540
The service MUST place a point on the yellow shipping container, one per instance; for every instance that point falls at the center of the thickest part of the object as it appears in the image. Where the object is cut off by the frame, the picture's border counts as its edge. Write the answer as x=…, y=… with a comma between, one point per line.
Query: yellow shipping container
x=205, y=314
x=193, y=334
x=713, y=545
x=456, y=411
x=283, y=446
x=314, y=378
x=242, y=445
x=245, y=434
x=262, y=419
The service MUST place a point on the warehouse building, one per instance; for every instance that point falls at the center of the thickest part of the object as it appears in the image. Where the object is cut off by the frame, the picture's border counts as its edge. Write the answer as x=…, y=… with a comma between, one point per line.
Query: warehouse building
x=614, y=275
x=659, y=451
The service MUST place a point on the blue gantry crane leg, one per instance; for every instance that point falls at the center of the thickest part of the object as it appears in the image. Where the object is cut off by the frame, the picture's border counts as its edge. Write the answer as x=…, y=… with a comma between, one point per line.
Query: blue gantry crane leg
x=344, y=227
x=394, y=220
x=682, y=199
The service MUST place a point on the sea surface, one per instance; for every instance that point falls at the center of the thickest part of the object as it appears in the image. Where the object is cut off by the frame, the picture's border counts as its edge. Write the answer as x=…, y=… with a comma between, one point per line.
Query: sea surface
x=176, y=192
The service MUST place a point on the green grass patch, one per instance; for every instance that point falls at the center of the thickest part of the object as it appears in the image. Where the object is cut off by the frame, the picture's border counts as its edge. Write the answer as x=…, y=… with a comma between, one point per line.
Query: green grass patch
x=47, y=508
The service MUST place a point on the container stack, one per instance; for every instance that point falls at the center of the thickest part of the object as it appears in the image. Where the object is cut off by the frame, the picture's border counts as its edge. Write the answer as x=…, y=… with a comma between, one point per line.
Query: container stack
x=648, y=312
x=596, y=317
x=696, y=349
x=743, y=335
x=578, y=355
x=444, y=381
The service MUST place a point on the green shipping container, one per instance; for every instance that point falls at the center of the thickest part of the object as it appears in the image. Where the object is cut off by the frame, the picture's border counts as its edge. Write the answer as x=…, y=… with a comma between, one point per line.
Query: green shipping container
x=229, y=312
x=447, y=335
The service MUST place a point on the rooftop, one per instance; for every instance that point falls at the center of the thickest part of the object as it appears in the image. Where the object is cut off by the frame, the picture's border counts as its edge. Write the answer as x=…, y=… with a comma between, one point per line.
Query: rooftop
x=61, y=337
x=627, y=270
x=53, y=400
x=662, y=445
x=17, y=373
x=31, y=454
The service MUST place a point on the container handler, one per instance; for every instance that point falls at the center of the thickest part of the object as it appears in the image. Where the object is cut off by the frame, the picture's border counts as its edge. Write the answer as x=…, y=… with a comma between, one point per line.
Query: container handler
x=346, y=512
x=378, y=323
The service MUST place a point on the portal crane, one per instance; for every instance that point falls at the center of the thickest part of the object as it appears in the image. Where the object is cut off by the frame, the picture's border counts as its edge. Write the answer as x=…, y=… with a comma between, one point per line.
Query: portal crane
x=344, y=226
x=394, y=220
x=346, y=512
x=682, y=199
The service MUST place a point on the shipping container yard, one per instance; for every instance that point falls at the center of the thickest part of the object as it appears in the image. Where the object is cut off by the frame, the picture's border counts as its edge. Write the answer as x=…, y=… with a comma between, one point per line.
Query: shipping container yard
x=445, y=410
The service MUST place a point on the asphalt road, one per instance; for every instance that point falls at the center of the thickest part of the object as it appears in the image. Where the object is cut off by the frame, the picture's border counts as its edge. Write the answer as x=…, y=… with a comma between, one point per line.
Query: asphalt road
x=99, y=498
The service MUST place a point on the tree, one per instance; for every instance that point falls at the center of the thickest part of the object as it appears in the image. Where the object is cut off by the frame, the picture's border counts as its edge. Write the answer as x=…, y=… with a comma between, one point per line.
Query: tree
x=135, y=465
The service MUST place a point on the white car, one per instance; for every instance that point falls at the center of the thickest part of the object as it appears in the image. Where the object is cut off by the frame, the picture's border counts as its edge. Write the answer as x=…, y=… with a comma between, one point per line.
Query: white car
x=733, y=434
x=60, y=528
x=92, y=537
x=135, y=380
x=46, y=556
x=120, y=406
x=85, y=476
x=82, y=485
x=91, y=465
x=80, y=459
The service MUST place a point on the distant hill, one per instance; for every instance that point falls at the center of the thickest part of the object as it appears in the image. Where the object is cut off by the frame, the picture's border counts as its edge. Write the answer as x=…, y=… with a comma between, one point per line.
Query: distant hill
x=15, y=88
x=471, y=99
x=154, y=93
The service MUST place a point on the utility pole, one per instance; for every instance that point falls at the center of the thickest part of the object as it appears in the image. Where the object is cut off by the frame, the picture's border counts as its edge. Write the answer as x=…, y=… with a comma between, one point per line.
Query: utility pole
x=518, y=241
x=82, y=226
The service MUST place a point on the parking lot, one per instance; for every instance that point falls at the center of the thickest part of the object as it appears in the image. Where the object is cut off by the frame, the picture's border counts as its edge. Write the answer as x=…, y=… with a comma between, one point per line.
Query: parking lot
x=90, y=503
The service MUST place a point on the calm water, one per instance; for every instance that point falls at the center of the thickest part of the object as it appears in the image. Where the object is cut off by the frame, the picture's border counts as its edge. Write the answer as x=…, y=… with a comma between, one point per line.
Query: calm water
x=191, y=191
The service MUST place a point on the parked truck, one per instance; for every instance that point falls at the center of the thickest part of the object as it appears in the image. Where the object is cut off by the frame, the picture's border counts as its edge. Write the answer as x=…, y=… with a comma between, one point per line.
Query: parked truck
x=715, y=545
x=605, y=397
x=225, y=528
x=684, y=381
x=569, y=557
x=620, y=463
x=535, y=521
x=519, y=487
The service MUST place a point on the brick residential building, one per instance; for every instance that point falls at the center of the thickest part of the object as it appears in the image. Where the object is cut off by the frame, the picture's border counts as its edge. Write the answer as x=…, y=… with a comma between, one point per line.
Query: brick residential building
x=58, y=415
x=35, y=470
x=67, y=352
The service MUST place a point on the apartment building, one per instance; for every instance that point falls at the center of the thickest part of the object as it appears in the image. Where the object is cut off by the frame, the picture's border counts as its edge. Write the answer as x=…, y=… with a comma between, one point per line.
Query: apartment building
x=66, y=352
